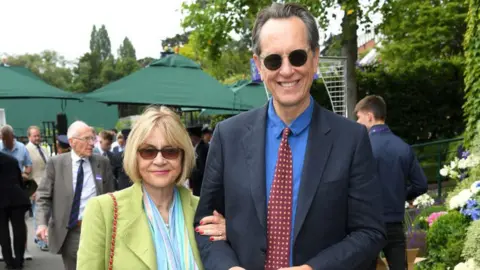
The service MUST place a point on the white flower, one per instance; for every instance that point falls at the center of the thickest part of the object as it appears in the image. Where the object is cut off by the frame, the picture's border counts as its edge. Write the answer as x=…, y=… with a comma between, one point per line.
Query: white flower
x=444, y=171
x=462, y=164
x=453, y=174
x=453, y=163
x=423, y=201
x=460, y=200
x=407, y=205
x=472, y=161
x=475, y=187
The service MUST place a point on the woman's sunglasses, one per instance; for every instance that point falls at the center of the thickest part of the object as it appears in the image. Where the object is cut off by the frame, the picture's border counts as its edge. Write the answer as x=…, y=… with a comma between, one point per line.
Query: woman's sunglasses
x=167, y=153
x=297, y=58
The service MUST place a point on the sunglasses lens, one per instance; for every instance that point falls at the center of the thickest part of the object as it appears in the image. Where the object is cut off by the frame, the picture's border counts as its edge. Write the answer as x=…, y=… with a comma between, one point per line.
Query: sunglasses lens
x=273, y=61
x=298, y=58
x=170, y=153
x=148, y=153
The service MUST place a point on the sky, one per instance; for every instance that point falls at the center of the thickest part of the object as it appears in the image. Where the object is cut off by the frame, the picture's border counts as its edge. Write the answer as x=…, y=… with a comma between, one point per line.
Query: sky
x=31, y=26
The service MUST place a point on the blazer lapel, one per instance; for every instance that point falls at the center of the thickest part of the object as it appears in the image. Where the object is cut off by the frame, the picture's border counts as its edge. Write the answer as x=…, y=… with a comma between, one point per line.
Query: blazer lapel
x=96, y=169
x=68, y=175
x=254, y=148
x=137, y=235
x=319, y=145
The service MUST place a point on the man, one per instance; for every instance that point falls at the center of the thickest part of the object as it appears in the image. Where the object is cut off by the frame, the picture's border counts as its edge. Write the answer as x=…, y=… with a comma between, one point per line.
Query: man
x=39, y=160
x=401, y=177
x=201, y=151
x=105, y=143
x=11, y=146
x=62, y=144
x=206, y=135
x=317, y=205
x=13, y=204
x=71, y=180
x=119, y=145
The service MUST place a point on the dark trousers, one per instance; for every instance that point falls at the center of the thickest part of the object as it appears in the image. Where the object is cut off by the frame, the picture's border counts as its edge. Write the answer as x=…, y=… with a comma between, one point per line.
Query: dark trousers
x=395, y=249
x=15, y=215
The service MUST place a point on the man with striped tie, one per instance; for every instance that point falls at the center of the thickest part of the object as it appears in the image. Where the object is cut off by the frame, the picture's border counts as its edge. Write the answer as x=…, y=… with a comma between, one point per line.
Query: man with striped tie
x=39, y=157
x=71, y=180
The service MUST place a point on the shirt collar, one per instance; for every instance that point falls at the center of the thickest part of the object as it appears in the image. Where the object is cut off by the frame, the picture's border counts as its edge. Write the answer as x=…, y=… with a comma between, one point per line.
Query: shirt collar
x=75, y=157
x=297, y=126
x=5, y=149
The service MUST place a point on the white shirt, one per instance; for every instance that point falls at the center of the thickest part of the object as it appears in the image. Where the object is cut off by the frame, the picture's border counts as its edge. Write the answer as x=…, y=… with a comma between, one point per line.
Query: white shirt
x=89, y=190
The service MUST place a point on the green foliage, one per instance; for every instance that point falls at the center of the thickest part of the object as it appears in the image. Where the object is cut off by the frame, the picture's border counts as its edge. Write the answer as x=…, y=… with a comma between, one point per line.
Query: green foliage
x=472, y=70
x=123, y=124
x=445, y=241
x=424, y=102
x=471, y=248
x=422, y=32
x=420, y=219
x=127, y=50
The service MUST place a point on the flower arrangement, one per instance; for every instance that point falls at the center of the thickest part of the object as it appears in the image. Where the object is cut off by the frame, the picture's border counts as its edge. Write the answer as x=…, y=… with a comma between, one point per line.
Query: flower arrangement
x=458, y=168
x=467, y=201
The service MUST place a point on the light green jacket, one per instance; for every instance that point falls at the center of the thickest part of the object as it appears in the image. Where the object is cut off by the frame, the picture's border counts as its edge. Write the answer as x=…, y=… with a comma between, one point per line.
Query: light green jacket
x=134, y=248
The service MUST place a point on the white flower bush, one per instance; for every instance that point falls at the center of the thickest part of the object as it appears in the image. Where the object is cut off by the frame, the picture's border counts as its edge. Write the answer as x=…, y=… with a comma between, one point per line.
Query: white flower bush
x=423, y=201
x=468, y=265
x=453, y=170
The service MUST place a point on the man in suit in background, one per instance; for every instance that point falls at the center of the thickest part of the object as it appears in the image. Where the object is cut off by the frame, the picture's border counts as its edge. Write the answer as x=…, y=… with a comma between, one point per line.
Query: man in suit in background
x=39, y=159
x=105, y=144
x=295, y=182
x=401, y=176
x=201, y=151
x=14, y=202
x=71, y=180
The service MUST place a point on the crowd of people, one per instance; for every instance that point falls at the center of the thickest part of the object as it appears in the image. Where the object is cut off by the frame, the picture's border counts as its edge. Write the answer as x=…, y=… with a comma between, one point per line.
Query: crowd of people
x=289, y=185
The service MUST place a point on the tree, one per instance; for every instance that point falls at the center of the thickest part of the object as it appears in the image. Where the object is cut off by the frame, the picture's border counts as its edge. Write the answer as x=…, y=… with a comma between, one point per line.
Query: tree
x=177, y=40
x=213, y=22
x=100, y=42
x=472, y=71
x=88, y=73
x=93, y=39
x=126, y=50
x=48, y=65
x=422, y=32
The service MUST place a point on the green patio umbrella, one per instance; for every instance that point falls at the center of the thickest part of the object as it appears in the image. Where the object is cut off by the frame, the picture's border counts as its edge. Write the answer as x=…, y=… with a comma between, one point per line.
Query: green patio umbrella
x=248, y=95
x=173, y=80
x=15, y=83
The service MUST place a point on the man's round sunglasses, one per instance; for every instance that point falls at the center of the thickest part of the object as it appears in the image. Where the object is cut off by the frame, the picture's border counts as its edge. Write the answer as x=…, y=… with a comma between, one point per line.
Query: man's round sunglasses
x=167, y=152
x=274, y=61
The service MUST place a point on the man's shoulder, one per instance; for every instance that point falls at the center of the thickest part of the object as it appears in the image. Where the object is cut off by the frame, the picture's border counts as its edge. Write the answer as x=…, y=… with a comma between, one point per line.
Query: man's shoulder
x=243, y=118
x=339, y=123
x=20, y=145
x=60, y=157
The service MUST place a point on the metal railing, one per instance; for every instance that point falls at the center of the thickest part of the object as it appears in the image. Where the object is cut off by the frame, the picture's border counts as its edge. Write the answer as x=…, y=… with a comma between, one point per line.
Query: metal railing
x=433, y=155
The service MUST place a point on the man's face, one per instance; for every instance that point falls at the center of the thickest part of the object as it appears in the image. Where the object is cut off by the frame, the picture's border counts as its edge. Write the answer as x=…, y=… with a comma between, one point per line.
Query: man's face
x=289, y=84
x=207, y=137
x=83, y=142
x=35, y=136
x=105, y=144
x=365, y=118
x=8, y=140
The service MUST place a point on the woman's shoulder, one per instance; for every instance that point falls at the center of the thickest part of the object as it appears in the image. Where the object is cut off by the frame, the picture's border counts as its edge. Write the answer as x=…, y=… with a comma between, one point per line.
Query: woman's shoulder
x=107, y=199
x=187, y=196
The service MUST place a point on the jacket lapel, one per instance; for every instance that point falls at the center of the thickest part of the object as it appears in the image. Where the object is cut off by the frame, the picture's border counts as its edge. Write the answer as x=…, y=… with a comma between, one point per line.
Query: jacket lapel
x=95, y=165
x=254, y=148
x=137, y=235
x=68, y=175
x=319, y=145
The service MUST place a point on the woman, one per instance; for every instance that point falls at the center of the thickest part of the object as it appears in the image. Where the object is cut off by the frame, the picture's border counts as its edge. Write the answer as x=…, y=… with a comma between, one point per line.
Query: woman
x=154, y=224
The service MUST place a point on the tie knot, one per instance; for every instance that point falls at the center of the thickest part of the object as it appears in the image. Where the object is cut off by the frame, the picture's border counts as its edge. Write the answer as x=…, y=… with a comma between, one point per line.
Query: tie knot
x=81, y=161
x=286, y=132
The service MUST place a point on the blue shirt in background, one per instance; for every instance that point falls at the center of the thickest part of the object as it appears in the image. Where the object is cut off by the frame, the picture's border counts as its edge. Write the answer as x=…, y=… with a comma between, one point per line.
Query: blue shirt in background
x=19, y=152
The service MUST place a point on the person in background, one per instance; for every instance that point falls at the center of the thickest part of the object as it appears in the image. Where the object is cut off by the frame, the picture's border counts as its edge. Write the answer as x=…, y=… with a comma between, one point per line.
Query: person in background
x=71, y=180
x=39, y=158
x=105, y=143
x=14, y=203
x=206, y=134
x=201, y=152
x=63, y=146
x=400, y=174
x=121, y=140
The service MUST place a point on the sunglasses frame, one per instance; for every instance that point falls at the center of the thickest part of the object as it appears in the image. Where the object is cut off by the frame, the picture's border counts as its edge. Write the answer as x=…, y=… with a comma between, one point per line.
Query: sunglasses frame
x=179, y=151
x=262, y=58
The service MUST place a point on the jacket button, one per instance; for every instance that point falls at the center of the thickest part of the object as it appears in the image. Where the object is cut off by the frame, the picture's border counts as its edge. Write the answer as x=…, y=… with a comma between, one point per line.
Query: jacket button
x=263, y=251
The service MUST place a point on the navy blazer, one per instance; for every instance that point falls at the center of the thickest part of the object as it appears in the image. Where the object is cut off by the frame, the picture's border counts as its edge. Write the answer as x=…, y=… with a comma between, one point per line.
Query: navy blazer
x=339, y=221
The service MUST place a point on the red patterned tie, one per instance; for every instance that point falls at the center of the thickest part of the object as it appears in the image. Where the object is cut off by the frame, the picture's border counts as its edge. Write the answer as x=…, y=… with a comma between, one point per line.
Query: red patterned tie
x=280, y=209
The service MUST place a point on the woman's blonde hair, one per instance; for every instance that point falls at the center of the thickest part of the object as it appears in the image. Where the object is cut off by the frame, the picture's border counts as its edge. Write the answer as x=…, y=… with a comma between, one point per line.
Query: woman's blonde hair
x=175, y=135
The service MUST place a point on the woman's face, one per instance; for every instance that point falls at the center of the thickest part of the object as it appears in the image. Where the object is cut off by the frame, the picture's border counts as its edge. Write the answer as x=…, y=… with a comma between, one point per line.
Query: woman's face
x=159, y=169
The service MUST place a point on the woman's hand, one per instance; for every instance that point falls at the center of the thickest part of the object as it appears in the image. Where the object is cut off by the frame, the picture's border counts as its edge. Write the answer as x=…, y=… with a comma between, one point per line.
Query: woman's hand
x=213, y=226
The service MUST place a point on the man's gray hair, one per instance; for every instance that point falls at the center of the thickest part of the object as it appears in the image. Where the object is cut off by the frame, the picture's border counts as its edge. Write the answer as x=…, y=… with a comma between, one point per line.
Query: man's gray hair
x=285, y=11
x=7, y=129
x=74, y=127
